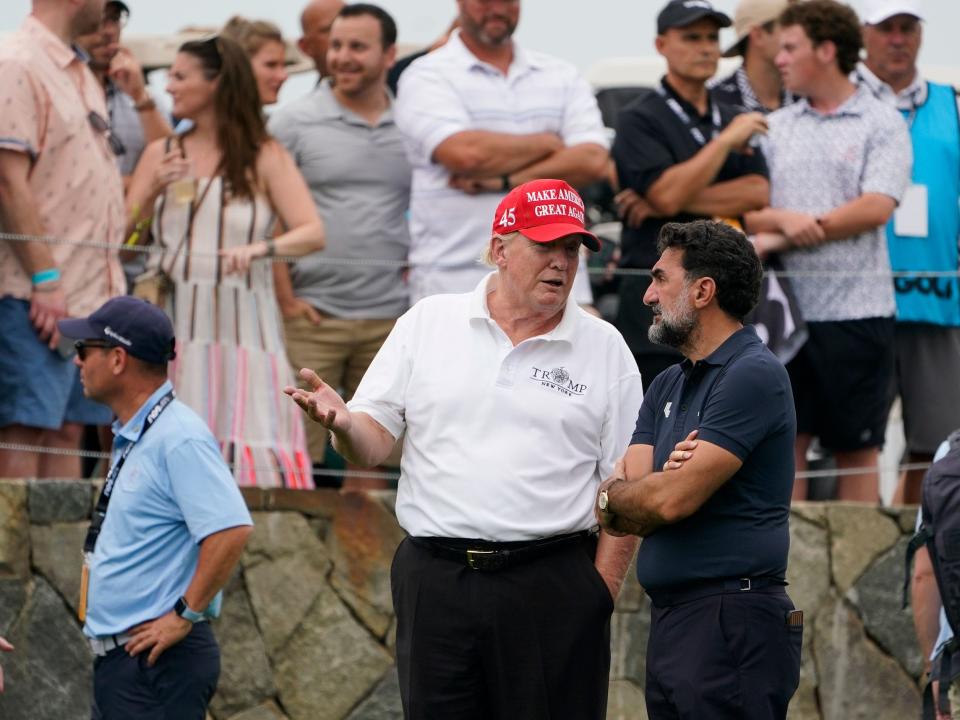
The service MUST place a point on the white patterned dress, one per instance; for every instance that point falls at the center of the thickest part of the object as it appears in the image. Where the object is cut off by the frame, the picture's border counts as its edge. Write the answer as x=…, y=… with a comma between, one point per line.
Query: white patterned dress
x=231, y=364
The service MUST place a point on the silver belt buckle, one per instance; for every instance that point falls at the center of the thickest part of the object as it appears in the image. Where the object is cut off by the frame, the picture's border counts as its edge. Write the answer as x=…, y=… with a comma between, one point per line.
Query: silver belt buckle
x=745, y=585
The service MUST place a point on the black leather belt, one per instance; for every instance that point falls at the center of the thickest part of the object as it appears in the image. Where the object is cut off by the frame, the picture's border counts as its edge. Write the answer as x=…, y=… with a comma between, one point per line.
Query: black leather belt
x=694, y=591
x=490, y=556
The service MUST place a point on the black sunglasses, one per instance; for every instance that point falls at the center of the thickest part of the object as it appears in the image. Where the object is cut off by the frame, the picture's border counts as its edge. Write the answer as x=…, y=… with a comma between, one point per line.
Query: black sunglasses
x=81, y=347
x=99, y=124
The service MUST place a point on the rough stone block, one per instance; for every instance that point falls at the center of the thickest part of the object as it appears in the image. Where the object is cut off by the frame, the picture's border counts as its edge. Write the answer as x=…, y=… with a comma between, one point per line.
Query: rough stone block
x=857, y=680
x=330, y=664
x=267, y=711
x=878, y=595
x=625, y=701
x=859, y=533
x=323, y=502
x=810, y=511
x=803, y=704
x=383, y=703
x=362, y=542
x=59, y=501
x=14, y=530
x=906, y=516
x=246, y=677
x=632, y=597
x=48, y=677
x=13, y=594
x=56, y=556
x=808, y=568
x=628, y=645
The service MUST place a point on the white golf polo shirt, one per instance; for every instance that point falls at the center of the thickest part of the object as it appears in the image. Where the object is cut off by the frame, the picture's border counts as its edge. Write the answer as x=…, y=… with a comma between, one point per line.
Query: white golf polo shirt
x=450, y=91
x=502, y=443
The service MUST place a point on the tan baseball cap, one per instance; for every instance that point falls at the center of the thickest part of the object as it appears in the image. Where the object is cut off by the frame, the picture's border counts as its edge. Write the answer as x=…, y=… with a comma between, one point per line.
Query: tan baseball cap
x=751, y=14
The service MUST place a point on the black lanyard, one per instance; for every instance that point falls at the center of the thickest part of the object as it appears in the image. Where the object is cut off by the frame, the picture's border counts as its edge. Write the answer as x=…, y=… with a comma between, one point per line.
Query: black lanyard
x=695, y=131
x=96, y=522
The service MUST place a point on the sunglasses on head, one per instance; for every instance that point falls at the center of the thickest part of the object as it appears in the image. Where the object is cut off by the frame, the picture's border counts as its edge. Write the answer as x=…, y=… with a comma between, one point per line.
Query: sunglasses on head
x=81, y=346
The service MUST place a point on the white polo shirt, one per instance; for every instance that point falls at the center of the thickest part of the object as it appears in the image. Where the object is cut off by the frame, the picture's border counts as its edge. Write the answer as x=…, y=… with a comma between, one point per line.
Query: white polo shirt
x=502, y=442
x=449, y=91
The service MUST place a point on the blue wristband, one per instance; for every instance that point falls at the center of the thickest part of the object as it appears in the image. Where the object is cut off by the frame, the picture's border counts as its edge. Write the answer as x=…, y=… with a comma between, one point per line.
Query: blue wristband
x=45, y=276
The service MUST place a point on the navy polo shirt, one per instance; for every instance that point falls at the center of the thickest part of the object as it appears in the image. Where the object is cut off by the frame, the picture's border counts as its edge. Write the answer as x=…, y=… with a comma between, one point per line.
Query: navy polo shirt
x=740, y=399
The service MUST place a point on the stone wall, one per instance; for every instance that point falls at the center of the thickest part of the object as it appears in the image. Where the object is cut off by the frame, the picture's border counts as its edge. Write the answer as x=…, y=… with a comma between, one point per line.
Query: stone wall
x=307, y=631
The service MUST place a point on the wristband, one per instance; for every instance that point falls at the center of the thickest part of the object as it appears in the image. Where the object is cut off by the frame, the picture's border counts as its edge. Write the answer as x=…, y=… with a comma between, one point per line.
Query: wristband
x=271, y=248
x=45, y=276
x=505, y=183
x=148, y=103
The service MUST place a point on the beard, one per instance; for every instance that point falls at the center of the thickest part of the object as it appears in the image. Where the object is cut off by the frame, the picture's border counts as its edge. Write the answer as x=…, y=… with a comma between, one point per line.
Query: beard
x=674, y=329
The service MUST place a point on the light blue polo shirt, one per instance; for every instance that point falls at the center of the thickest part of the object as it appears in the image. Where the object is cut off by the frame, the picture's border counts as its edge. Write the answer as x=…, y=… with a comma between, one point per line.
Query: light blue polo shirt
x=173, y=491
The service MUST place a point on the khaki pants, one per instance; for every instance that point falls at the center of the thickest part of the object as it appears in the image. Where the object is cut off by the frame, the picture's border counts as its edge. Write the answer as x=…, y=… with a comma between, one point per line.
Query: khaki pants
x=339, y=351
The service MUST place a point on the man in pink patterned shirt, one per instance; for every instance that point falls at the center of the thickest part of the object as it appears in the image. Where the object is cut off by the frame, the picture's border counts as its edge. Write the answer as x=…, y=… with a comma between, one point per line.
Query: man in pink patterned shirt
x=58, y=178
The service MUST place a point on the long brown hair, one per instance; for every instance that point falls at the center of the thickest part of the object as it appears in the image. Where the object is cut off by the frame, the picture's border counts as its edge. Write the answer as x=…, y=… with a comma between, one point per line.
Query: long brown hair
x=241, y=130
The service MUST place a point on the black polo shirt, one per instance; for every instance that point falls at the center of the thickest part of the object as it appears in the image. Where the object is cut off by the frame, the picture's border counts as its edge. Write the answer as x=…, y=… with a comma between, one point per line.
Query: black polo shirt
x=740, y=399
x=651, y=138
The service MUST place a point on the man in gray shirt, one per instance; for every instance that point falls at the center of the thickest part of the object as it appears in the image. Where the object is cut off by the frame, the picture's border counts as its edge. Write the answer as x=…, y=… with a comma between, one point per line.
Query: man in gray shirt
x=339, y=307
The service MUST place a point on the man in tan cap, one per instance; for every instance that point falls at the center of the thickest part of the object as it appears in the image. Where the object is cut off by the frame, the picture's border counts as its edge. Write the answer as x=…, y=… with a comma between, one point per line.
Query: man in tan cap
x=756, y=86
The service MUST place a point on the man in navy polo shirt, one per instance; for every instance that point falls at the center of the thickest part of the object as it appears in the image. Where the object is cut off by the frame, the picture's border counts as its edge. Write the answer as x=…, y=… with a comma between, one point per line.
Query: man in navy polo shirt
x=720, y=427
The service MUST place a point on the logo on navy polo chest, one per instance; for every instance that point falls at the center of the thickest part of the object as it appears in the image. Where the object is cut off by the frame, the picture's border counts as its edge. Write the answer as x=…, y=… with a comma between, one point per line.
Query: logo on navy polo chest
x=558, y=379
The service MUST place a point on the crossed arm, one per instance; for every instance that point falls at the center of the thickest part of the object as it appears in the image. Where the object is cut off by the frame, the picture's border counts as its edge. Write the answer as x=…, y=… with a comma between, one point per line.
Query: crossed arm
x=641, y=500
x=797, y=229
x=478, y=160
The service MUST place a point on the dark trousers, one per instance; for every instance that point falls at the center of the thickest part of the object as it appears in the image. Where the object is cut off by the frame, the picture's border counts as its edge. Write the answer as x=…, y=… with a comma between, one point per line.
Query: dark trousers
x=723, y=656
x=178, y=687
x=529, y=641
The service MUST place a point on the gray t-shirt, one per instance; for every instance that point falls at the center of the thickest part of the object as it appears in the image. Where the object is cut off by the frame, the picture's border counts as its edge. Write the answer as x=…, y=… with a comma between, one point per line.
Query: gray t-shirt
x=819, y=162
x=360, y=180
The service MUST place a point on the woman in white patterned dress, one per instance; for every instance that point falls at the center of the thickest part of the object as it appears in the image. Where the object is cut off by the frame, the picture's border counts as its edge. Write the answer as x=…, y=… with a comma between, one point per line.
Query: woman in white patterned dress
x=215, y=193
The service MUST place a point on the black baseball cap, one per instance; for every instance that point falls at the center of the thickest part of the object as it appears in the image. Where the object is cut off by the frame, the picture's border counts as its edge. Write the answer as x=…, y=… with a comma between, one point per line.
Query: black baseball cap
x=142, y=329
x=680, y=13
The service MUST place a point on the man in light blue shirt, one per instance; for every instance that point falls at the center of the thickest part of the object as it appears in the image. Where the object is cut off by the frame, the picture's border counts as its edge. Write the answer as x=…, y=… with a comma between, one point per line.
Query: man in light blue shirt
x=157, y=561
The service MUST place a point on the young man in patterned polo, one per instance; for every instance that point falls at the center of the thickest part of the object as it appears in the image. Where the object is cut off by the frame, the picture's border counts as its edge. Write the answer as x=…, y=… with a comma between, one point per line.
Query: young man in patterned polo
x=839, y=162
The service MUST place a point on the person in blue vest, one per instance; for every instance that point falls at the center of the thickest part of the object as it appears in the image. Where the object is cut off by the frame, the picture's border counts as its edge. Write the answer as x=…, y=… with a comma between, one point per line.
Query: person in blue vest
x=923, y=234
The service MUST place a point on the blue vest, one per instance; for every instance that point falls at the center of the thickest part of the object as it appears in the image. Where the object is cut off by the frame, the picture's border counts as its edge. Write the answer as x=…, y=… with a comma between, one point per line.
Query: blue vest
x=935, y=135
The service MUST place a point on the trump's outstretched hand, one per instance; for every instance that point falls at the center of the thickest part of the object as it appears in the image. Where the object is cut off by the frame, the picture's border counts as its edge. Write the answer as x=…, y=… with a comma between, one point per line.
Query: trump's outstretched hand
x=321, y=402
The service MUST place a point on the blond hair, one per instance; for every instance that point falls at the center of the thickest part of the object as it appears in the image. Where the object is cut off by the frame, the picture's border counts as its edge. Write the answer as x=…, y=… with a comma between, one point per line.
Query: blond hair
x=251, y=35
x=486, y=257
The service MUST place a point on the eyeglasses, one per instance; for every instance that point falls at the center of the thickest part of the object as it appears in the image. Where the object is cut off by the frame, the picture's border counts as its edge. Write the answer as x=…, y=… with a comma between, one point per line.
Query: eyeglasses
x=81, y=347
x=100, y=125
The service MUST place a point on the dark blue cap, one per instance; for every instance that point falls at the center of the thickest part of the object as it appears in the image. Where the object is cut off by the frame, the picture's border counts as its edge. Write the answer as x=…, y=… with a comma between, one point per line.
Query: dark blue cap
x=142, y=329
x=680, y=13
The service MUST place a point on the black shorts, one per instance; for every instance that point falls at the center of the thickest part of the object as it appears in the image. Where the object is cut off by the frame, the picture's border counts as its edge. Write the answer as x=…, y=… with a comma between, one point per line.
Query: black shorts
x=841, y=381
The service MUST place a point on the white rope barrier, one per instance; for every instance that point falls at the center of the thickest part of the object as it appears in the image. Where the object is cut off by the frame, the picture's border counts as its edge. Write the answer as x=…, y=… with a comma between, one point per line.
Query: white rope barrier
x=328, y=472
x=321, y=259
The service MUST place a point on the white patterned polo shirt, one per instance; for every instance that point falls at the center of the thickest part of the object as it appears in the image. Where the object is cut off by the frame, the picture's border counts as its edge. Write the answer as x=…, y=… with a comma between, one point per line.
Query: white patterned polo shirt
x=819, y=162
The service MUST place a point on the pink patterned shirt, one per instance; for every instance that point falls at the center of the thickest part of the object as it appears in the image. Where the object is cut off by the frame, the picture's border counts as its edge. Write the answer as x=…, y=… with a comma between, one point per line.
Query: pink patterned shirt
x=47, y=93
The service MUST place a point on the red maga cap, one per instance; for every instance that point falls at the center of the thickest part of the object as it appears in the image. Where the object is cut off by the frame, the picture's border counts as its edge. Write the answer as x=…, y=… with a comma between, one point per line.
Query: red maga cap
x=542, y=211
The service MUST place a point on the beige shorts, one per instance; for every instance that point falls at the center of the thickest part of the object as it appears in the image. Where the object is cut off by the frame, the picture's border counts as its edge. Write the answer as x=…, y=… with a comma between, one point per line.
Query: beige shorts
x=339, y=351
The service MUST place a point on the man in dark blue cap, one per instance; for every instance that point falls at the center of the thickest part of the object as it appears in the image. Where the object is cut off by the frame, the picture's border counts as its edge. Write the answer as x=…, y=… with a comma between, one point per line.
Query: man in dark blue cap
x=155, y=563
x=680, y=156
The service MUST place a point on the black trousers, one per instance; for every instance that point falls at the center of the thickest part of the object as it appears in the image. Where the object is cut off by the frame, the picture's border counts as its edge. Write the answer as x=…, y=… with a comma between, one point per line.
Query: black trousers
x=529, y=641
x=723, y=656
x=178, y=687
